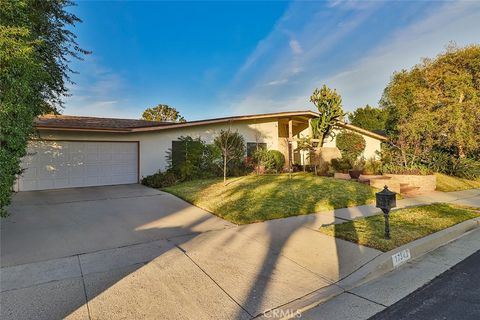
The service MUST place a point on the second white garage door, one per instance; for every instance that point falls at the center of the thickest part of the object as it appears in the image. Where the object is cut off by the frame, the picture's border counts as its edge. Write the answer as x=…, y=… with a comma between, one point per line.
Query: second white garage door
x=67, y=164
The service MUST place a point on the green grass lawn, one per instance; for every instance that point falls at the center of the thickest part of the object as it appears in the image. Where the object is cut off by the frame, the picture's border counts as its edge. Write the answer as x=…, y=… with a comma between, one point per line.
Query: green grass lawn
x=448, y=183
x=258, y=198
x=406, y=225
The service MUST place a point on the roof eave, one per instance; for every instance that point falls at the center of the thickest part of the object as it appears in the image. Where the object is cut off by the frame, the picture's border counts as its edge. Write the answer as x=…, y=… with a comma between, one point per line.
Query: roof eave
x=83, y=129
x=207, y=122
x=227, y=120
x=363, y=131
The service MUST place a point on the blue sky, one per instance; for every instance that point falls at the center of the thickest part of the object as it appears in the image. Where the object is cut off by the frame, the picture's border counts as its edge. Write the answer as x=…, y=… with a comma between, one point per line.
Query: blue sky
x=212, y=59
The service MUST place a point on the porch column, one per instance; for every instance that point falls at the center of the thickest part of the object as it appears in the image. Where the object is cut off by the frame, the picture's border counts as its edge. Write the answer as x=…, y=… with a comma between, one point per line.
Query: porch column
x=310, y=131
x=290, y=146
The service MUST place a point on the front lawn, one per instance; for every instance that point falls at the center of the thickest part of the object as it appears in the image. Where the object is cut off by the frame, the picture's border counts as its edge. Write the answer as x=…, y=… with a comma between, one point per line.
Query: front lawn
x=258, y=198
x=448, y=183
x=406, y=225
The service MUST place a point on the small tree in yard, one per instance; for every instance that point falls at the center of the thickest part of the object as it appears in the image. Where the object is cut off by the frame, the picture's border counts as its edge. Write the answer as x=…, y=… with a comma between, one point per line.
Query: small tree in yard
x=304, y=144
x=329, y=105
x=232, y=146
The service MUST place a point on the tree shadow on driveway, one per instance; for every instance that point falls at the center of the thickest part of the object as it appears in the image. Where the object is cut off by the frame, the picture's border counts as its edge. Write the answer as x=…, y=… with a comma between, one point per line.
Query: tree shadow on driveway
x=184, y=263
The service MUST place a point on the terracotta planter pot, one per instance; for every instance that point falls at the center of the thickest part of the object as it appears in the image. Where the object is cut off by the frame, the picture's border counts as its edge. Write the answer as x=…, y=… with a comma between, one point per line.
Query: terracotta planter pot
x=355, y=174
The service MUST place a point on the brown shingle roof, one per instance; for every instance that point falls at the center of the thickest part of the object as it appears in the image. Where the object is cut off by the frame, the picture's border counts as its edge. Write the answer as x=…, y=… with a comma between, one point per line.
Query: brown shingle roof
x=77, y=122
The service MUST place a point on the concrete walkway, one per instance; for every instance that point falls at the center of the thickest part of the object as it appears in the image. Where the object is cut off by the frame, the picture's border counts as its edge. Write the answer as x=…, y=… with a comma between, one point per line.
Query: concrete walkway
x=469, y=197
x=100, y=253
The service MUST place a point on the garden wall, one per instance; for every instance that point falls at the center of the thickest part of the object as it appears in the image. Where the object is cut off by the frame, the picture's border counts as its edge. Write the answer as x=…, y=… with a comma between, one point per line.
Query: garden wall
x=380, y=182
x=425, y=183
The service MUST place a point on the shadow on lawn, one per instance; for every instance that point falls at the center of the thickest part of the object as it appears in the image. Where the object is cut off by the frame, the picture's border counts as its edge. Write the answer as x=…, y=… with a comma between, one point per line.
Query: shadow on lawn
x=296, y=197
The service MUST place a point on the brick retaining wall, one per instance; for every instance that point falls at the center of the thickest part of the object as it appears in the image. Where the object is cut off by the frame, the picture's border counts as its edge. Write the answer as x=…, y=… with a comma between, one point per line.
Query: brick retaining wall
x=425, y=183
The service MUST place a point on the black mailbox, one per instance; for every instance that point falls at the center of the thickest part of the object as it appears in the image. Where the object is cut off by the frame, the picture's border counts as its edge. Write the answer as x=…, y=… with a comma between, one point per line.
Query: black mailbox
x=386, y=199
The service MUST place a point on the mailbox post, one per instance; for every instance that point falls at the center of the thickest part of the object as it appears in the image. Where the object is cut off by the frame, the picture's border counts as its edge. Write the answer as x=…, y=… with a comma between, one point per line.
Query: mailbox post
x=386, y=200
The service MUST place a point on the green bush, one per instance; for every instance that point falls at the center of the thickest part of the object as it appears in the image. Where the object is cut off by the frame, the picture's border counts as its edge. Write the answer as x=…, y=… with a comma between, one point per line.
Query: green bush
x=359, y=164
x=278, y=160
x=465, y=168
x=269, y=160
x=440, y=162
x=351, y=145
x=211, y=164
x=446, y=163
x=238, y=167
x=160, y=180
x=323, y=168
x=191, y=158
x=341, y=165
x=372, y=166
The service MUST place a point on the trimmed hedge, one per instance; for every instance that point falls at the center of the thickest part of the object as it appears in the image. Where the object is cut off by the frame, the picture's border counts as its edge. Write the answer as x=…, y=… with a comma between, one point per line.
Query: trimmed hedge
x=351, y=145
x=271, y=160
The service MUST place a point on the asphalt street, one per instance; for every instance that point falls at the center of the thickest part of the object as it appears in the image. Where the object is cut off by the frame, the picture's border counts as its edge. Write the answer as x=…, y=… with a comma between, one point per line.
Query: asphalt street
x=455, y=294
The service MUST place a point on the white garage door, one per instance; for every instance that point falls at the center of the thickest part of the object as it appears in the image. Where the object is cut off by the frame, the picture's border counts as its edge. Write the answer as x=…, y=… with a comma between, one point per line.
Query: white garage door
x=67, y=164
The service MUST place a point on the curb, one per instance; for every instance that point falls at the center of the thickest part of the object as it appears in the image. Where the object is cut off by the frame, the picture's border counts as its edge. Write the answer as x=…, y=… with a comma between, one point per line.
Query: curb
x=377, y=267
x=384, y=262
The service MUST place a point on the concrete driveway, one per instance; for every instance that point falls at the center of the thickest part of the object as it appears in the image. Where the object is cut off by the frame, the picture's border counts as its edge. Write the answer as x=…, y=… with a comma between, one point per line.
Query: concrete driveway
x=133, y=252
x=60, y=223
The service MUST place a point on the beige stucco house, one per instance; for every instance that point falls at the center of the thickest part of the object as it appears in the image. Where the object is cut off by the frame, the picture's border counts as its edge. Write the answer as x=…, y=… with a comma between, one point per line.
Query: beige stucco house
x=72, y=151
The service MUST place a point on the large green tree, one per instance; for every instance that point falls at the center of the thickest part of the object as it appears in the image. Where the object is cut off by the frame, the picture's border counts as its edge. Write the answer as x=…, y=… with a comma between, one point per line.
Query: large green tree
x=329, y=106
x=368, y=118
x=435, y=105
x=35, y=47
x=162, y=112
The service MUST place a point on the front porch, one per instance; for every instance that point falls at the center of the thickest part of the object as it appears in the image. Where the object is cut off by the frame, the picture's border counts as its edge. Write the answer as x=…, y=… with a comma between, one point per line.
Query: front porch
x=290, y=131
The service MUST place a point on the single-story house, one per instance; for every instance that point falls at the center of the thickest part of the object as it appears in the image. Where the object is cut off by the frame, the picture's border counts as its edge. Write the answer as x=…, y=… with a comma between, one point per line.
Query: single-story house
x=73, y=151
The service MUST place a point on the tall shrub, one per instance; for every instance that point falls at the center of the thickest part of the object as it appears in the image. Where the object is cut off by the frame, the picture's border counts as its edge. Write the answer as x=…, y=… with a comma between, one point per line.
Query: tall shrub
x=269, y=160
x=36, y=44
x=351, y=145
x=435, y=105
x=191, y=158
x=329, y=106
x=278, y=160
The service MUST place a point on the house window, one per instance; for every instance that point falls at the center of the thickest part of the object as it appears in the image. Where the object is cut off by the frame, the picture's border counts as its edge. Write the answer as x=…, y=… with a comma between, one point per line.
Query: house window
x=252, y=147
